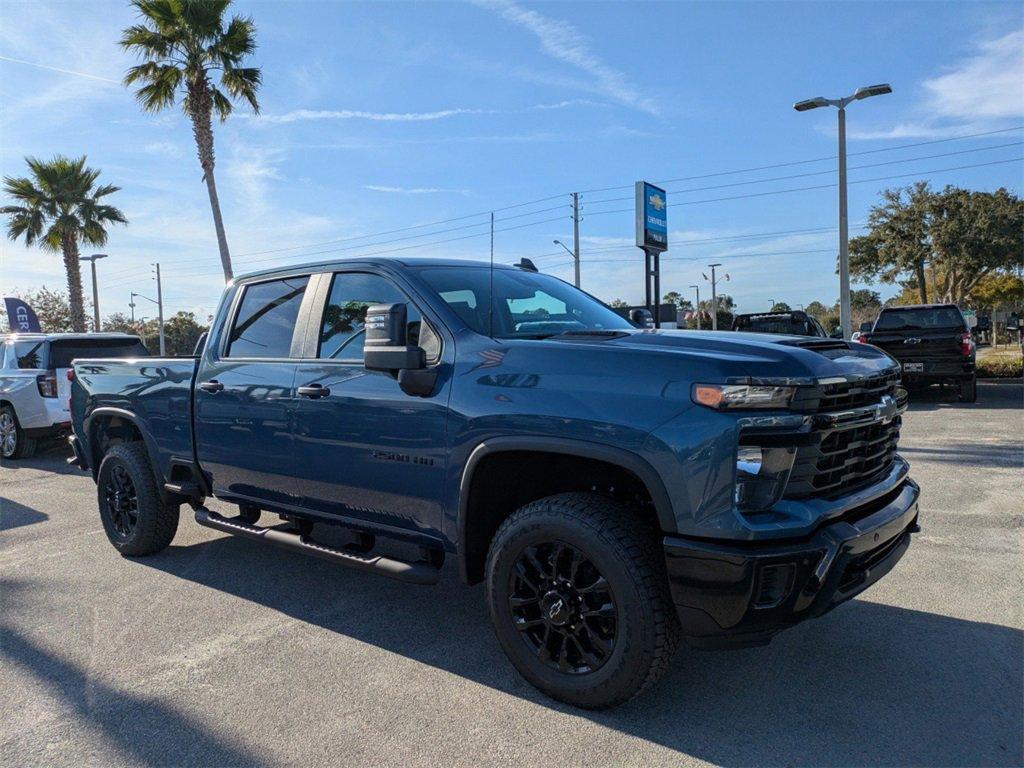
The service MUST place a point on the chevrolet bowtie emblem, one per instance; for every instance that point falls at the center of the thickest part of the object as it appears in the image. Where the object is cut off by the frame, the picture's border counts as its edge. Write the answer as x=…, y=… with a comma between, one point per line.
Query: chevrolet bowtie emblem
x=657, y=202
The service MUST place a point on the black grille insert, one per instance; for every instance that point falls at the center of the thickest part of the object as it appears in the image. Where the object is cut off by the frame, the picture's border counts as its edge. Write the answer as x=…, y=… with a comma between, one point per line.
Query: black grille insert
x=843, y=460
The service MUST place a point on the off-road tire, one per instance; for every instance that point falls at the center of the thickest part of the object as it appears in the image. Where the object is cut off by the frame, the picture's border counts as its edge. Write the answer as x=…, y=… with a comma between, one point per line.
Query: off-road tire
x=24, y=446
x=156, y=521
x=627, y=553
x=968, y=390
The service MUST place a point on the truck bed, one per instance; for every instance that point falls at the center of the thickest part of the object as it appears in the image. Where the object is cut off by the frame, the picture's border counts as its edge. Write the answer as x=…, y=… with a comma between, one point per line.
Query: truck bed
x=157, y=390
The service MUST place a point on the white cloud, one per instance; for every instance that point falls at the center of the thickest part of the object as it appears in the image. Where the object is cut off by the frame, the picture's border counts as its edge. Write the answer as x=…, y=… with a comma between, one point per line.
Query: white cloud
x=298, y=115
x=979, y=93
x=564, y=42
x=352, y=114
x=413, y=190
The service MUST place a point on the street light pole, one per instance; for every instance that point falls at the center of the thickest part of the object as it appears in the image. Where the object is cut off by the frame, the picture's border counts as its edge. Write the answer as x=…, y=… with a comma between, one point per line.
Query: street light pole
x=160, y=308
x=575, y=254
x=95, y=292
x=697, y=289
x=845, y=317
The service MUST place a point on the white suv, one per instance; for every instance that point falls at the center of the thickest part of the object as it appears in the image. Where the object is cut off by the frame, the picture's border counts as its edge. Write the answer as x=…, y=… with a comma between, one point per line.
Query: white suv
x=34, y=387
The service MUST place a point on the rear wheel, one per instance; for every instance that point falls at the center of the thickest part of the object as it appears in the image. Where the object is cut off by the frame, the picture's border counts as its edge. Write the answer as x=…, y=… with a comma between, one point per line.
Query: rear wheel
x=579, y=599
x=135, y=517
x=14, y=444
x=968, y=390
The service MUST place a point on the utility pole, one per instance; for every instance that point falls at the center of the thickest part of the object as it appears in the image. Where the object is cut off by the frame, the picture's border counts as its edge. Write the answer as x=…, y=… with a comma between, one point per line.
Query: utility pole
x=95, y=292
x=576, y=233
x=714, y=299
x=160, y=309
x=845, y=316
x=131, y=305
x=697, y=289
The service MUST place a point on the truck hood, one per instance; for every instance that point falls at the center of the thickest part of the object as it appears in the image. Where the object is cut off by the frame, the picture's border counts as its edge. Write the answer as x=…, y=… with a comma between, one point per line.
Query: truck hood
x=750, y=356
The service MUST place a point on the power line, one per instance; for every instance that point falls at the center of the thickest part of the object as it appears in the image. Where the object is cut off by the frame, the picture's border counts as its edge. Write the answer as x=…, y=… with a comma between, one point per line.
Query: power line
x=820, y=186
x=813, y=160
x=821, y=173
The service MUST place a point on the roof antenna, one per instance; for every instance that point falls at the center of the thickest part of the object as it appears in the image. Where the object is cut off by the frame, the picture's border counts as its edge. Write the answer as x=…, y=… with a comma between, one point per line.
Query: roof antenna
x=490, y=295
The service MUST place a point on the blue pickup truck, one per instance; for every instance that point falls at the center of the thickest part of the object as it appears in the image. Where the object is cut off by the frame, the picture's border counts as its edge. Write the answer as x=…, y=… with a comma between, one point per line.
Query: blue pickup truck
x=619, y=490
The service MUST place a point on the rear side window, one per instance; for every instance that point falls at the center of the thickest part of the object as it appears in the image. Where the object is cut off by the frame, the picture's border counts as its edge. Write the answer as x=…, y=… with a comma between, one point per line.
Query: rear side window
x=27, y=355
x=63, y=352
x=921, y=319
x=265, y=322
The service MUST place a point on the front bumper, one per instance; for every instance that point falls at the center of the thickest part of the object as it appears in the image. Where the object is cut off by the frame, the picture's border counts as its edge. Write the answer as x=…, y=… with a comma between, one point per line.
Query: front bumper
x=734, y=595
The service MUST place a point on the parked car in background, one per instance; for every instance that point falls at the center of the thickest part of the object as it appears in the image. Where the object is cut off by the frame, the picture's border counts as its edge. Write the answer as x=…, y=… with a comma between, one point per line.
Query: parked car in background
x=34, y=387
x=932, y=343
x=618, y=489
x=795, y=323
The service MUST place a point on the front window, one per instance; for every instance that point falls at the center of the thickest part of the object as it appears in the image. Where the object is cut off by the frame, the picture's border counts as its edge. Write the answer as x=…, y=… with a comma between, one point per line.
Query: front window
x=526, y=305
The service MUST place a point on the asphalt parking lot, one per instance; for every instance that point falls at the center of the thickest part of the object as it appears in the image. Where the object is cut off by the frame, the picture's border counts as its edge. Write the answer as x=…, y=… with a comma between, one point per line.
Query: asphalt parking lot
x=221, y=651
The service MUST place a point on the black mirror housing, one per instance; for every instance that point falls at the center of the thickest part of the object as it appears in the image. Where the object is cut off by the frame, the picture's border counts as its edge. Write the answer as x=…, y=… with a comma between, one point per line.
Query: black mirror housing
x=386, y=346
x=866, y=327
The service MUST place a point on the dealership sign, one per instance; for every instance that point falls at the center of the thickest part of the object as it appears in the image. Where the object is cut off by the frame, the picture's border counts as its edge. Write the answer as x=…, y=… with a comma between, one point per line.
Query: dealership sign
x=21, y=317
x=651, y=217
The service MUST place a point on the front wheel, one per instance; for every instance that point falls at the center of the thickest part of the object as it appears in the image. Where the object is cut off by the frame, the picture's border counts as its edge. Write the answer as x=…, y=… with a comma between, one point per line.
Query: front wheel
x=968, y=390
x=135, y=516
x=579, y=599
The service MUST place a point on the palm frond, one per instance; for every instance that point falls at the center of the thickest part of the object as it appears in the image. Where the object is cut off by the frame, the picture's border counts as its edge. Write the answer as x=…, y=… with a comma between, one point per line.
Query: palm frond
x=242, y=83
x=221, y=104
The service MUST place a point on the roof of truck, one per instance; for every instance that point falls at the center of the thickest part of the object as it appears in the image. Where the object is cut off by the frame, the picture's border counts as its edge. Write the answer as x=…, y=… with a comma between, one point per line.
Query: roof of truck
x=920, y=306
x=19, y=336
x=405, y=261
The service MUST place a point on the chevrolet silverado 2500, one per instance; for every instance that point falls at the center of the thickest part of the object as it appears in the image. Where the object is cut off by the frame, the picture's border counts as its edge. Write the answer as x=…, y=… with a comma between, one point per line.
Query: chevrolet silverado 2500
x=618, y=490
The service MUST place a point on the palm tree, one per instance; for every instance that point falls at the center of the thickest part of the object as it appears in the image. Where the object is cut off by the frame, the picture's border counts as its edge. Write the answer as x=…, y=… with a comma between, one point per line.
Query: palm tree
x=59, y=207
x=182, y=43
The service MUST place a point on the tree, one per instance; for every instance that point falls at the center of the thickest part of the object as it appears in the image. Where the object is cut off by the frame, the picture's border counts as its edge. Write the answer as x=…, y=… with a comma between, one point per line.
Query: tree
x=953, y=239
x=52, y=308
x=618, y=304
x=781, y=306
x=59, y=207
x=181, y=333
x=817, y=310
x=672, y=297
x=182, y=42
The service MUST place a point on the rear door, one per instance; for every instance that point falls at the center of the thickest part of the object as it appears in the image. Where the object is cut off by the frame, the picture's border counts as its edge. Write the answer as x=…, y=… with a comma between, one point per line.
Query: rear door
x=364, y=449
x=245, y=396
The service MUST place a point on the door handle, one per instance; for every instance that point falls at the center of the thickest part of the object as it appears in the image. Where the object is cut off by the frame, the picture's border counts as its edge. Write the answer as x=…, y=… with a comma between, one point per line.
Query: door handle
x=313, y=391
x=211, y=386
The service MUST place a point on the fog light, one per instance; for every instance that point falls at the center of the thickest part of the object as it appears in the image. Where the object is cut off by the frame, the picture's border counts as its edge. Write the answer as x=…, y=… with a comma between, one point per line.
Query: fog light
x=748, y=460
x=761, y=476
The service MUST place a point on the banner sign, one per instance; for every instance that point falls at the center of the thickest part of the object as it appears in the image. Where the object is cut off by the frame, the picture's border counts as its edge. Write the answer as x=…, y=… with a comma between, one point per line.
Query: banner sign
x=21, y=317
x=651, y=217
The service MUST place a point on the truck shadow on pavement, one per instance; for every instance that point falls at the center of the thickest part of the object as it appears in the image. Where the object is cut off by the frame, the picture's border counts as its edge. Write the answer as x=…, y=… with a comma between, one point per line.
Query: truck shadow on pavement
x=15, y=515
x=150, y=732
x=869, y=684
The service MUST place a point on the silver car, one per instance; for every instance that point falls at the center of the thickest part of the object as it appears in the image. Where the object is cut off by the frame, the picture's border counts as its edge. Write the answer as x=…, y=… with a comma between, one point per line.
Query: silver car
x=34, y=387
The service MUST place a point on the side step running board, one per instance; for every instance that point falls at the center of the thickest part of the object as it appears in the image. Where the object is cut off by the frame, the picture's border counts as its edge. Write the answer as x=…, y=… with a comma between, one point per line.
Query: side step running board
x=414, y=573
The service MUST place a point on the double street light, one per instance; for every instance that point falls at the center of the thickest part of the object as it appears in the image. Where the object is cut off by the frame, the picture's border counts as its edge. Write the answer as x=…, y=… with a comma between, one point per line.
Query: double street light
x=844, y=255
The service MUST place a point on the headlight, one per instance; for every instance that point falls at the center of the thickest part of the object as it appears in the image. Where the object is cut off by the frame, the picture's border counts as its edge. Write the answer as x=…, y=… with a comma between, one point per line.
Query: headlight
x=725, y=396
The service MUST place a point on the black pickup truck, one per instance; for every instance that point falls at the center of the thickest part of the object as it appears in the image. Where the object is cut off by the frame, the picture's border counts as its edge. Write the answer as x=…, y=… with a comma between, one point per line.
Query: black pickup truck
x=931, y=342
x=794, y=323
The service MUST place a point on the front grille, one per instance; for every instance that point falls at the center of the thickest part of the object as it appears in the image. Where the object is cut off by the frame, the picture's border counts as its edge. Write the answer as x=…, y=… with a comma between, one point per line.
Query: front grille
x=835, y=397
x=842, y=460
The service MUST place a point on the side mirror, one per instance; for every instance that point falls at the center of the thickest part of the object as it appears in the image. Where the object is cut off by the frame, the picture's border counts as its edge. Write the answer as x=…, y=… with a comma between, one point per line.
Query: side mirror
x=866, y=327
x=386, y=348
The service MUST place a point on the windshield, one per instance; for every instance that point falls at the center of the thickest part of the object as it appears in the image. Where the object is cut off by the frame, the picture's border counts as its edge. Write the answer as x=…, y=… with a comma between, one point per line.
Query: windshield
x=919, y=319
x=527, y=305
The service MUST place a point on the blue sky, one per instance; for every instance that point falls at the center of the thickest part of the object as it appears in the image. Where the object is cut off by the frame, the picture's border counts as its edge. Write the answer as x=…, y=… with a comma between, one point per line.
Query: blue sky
x=381, y=116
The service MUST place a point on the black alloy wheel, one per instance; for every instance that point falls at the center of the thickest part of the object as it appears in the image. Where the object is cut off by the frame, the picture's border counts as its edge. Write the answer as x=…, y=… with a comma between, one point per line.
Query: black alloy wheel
x=122, y=501
x=564, y=607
